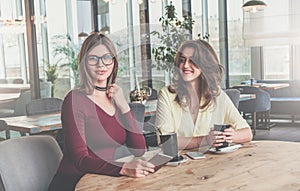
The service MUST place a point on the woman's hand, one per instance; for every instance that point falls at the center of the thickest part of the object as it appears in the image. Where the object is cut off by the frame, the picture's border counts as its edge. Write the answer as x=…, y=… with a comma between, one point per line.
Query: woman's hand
x=116, y=94
x=229, y=134
x=226, y=136
x=137, y=168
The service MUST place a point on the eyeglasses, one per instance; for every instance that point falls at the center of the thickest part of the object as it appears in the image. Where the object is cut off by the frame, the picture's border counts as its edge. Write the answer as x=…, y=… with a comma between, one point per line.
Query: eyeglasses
x=107, y=59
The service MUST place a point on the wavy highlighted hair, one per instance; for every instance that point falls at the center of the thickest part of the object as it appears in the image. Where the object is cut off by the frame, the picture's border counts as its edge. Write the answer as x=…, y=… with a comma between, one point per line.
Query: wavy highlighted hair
x=207, y=61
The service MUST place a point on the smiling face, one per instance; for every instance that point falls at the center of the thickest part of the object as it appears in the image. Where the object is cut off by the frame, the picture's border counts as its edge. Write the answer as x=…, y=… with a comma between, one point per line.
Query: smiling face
x=189, y=71
x=97, y=69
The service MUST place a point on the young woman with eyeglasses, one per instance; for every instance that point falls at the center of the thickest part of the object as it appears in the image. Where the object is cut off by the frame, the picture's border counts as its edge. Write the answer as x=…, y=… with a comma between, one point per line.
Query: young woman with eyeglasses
x=194, y=102
x=96, y=119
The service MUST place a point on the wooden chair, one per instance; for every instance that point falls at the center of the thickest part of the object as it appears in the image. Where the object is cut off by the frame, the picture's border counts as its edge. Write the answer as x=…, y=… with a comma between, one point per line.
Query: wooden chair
x=234, y=95
x=44, y=106
x=3, y=127
x=260, y=105
x=3, y=81
x=20, y=109
x=18, y=81
x=28, y=163
x=138, y=110
x=17, y=107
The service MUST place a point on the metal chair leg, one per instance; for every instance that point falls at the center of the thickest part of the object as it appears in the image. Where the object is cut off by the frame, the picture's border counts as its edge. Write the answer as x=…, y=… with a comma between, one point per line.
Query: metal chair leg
x=254, y=122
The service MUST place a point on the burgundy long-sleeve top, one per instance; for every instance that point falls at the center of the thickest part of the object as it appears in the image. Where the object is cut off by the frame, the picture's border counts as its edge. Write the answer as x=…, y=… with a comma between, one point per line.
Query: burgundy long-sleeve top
x=92, y=136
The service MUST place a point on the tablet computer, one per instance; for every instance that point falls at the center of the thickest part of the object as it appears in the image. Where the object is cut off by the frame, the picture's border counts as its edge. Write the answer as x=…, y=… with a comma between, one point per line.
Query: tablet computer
x=159, y=160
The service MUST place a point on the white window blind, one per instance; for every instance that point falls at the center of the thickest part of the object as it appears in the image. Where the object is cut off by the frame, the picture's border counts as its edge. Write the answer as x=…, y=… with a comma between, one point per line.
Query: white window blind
x=278, y=24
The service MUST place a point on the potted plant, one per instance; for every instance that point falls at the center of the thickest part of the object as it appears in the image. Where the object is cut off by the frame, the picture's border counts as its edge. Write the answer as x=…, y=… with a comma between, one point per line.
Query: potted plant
x=51, y=74
x=68, y=55
x=174, y=32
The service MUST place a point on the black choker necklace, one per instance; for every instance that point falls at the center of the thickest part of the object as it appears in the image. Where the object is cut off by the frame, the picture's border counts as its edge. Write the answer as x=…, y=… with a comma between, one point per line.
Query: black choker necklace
x=100, y=88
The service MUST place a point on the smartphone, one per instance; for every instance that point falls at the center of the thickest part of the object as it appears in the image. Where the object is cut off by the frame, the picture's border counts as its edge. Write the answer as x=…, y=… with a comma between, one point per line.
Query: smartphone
x=195, y=155
x=221, y=127
x=159, y=160
x=225, y=127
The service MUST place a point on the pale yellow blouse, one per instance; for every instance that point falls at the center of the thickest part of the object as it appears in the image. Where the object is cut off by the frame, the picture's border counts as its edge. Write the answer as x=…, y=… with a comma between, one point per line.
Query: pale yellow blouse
x=170, y=117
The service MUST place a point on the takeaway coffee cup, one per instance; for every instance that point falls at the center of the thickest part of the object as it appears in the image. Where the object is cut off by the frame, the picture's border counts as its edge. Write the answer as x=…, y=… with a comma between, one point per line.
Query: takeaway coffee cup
x=221, y=128
x=169, y=145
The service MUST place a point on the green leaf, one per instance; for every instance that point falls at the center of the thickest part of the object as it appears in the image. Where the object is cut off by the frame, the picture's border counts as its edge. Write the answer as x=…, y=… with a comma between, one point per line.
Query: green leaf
x=174, y=32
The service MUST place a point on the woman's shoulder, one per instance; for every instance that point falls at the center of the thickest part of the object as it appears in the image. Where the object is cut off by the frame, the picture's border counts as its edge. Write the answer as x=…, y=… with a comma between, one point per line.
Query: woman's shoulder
x=166, y=96
x=223, y=99
x=165, y=90
x=222, y=95
x=74, y=94
x=76, y=100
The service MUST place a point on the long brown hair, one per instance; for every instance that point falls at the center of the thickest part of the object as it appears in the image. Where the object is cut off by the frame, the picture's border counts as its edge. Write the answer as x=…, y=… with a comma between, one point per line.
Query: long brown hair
x=207, y=61
x=93, y=40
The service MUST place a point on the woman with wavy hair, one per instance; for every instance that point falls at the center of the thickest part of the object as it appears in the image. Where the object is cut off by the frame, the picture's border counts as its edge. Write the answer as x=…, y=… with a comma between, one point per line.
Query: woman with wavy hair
x=194, y=102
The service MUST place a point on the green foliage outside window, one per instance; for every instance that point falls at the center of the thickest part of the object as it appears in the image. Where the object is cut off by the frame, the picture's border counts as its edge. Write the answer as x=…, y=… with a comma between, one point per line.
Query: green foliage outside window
x=68, y=57
x=174, y=32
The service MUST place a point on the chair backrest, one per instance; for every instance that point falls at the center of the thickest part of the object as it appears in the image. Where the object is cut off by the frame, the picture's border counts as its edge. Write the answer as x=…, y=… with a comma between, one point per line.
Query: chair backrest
x=138, y=110
x=29, y=163
x=3, y=81
x=153, y=95
x=18, y=81
x=234, y=95
x=25, y=97
x=261, y=103
x=3, y=127
x=43, y=106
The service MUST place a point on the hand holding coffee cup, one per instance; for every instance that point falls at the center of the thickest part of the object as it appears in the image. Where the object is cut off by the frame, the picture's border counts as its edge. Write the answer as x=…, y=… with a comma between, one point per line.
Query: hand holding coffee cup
x=223, y=135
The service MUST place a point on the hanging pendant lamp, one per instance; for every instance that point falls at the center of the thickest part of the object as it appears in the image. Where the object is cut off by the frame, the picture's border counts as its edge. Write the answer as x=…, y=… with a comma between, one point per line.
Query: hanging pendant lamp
x=254, y=6
x=82, y=35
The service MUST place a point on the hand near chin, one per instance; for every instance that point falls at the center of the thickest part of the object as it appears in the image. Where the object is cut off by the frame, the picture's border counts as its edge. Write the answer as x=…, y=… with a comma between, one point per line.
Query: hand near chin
x=117, y=96
x=137, y=168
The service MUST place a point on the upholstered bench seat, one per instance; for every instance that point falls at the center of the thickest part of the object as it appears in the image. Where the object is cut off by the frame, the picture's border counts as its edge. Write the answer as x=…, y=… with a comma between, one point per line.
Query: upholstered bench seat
x=285, y=105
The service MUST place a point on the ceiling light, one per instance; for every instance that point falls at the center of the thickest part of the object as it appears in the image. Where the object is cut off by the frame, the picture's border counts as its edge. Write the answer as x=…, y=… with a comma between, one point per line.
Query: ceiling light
x=254, y=6
x=82, y=35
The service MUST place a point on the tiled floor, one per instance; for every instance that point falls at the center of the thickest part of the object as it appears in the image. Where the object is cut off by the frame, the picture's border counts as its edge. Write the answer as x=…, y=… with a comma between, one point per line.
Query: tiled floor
x=282, y=131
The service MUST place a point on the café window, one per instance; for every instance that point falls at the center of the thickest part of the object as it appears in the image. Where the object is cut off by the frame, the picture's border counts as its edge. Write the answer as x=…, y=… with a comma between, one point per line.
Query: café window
x=276, y=61
x=12, y=47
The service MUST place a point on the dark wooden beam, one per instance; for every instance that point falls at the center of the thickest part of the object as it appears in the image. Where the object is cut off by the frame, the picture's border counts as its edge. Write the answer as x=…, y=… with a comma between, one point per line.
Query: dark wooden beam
x=145, y=43
x=32, y=49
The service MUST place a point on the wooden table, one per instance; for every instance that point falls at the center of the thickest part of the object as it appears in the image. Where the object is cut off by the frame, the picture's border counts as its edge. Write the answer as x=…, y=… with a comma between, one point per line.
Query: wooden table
x=4, y=97
x=265, y=86
x=244, y=97
x=34, y=124
x=269, y=165
x=13, y=88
